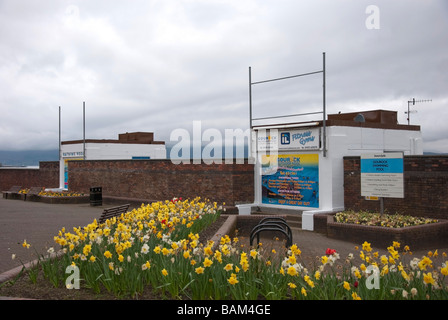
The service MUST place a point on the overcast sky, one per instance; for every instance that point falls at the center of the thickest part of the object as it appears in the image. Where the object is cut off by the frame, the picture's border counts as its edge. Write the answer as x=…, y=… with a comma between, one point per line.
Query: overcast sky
x=160, y=65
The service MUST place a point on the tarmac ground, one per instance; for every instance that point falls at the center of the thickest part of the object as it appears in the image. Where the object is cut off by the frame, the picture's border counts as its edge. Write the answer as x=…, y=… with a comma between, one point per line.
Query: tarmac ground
x=38, y=223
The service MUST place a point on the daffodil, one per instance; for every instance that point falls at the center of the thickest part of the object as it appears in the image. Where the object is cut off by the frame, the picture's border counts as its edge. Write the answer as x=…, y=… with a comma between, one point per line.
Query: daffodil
x=366, y=246
x=233, y=280
x=228, y=267
x=25, y=244
x=253, y=253
x=87, y=248
x=207, y=262
x=107, y=254
x=303, y=292
x=291, y=271
x=355, y=296
x=199, y=270
x=428, y=279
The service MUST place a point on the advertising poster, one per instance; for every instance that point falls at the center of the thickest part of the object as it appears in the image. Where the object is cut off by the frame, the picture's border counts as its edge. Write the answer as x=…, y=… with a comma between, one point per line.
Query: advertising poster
x=291, y=179
x=66, y=170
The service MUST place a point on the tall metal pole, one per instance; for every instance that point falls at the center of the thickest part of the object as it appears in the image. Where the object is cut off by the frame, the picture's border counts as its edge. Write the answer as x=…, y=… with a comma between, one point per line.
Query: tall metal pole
x=250, y=98
x=324, y=124
x=84, y=129
x=59, y=134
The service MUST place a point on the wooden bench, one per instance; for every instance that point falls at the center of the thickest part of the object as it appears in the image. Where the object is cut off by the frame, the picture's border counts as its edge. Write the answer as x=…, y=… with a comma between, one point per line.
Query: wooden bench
x=113, y=212
x=12, y=192
x=33, y=193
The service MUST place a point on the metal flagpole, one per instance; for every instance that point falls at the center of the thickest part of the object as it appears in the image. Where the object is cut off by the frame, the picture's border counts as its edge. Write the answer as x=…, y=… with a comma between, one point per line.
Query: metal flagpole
x=59, y=134
x=324, y=124
x=84, y=129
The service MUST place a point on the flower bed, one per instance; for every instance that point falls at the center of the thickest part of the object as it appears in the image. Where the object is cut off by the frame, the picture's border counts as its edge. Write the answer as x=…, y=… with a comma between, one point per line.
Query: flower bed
x=419, y=233
x=55, y=197
x=156, y=248
x=63, y=197
x=381, y=220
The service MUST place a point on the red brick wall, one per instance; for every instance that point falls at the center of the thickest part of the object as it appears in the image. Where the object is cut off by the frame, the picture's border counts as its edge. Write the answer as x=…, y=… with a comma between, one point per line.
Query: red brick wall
x=425, y=187
x=46, y=176
x=161, y=179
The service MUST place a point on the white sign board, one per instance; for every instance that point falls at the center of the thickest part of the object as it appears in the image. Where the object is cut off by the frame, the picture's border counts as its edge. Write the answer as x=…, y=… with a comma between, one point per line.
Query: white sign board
x=382, y=175
x=299, y=139
x=294, y=139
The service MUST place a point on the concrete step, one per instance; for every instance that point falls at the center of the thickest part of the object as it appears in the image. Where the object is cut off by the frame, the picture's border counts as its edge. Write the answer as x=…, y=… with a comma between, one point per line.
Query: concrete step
x=294, y=220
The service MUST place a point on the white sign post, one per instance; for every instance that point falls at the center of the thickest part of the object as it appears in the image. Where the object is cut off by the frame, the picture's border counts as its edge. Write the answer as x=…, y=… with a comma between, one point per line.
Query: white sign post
x=382, y=176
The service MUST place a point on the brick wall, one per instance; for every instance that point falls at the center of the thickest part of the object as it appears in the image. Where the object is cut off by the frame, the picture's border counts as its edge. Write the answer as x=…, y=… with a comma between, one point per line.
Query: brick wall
x=161, y=179
x=425, y=187
x=47, y=175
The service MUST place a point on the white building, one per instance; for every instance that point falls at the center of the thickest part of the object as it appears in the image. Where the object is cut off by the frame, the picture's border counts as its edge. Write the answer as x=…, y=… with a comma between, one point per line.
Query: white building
x=134, y=145
x=306, y=178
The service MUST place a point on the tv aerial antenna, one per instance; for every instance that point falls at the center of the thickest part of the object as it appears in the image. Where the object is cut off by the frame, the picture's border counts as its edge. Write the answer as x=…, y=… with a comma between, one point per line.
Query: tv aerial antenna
x=413, y=101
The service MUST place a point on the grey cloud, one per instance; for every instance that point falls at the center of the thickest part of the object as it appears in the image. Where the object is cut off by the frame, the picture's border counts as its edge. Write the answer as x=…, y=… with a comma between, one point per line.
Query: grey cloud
x=157, y=65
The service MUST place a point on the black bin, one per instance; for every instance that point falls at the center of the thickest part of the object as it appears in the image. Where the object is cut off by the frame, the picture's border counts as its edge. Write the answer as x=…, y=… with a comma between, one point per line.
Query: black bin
x=96, y=196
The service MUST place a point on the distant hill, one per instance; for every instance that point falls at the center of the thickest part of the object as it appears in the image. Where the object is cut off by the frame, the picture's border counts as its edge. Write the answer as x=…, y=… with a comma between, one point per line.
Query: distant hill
x=28, y=157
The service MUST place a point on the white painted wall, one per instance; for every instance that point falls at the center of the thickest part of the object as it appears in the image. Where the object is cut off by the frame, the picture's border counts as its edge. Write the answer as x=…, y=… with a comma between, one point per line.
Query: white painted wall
x=108, y=151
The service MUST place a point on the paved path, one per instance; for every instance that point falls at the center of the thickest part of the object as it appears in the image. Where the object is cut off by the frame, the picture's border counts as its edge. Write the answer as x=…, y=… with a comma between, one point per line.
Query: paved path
x=38, y=223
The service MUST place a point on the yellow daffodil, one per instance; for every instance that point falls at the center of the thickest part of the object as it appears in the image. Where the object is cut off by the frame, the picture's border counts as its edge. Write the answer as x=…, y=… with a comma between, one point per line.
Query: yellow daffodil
x=228, y=267
x=199, y=270
x=291, y=271
x=428, y=279
x=207, y=262
x=366, y=246
x=233, y=280
x=303, y=292
x=25, y=244
x=355, y=296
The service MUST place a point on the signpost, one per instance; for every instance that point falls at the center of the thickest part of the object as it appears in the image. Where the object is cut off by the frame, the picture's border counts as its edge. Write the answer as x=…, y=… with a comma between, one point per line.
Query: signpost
x=382, y=176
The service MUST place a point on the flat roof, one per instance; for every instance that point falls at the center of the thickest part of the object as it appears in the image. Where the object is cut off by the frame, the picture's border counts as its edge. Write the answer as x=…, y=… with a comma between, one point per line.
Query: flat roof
x=123, y=138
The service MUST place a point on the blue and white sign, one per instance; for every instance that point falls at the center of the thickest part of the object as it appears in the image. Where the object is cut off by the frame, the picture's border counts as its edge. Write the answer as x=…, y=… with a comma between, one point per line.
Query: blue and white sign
x=382, y=175
x=299, y=139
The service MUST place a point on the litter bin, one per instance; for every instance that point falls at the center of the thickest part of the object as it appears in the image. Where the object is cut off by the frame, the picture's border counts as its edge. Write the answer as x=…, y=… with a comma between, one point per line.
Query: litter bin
x=96, y=196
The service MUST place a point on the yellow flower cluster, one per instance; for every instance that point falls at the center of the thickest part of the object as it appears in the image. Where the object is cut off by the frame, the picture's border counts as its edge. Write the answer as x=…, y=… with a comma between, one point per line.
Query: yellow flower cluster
x=60, y=194
x=381, y=220
x=158, y=244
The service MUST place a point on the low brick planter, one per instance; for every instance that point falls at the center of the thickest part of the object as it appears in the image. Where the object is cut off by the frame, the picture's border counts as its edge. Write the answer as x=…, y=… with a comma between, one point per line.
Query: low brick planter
x=56, y=200
x=428, y=236
x=64, y=200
